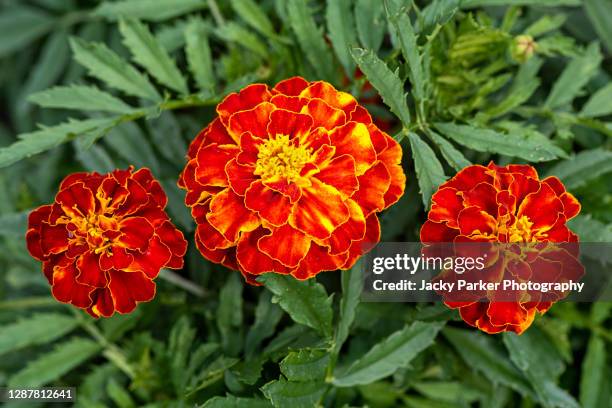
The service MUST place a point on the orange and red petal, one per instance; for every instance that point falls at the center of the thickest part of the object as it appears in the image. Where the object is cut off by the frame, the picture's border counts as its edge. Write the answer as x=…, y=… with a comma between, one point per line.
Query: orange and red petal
x=317, y=260
x=542, y=207
x=290, y=103
x=474, y=221
x=247, y=98
x=66, y=289
x=319, y=211
x=90, y=272
x=240, y=176
x=354, y=139
x=437, y=232
x=291, y=86
x=102, y=303
x=135, y=233
x=251, y=260
x=76, y=200
x=211, y=161
x=146, y=179
x=446, y=205
x=286, y=245
x=253, y=120
x=325, y=91
x=229, y=216
x=340, y=174
x=324, y=115
x=127, y=288
x=284, y=122
x=365, y=245
x=353, y=229
x=156, y=256
x=373, y=186
x=53, y=238
x=271, y=205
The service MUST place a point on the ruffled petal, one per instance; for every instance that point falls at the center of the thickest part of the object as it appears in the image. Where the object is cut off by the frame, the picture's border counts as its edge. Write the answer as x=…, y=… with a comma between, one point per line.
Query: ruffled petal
x=272, y=206
x=287, y=123
x=285, y=244
x=340, y=174
x=211, y=162
x=240, y=176
x=127, y=288
x=152, y=260
x=65, y=287
x=324, y=115
x=229, y=215
x=90, y=272
x=247, y=98
x=291, y=86
x=373, y=186
x=254, y=120
x=354, y=139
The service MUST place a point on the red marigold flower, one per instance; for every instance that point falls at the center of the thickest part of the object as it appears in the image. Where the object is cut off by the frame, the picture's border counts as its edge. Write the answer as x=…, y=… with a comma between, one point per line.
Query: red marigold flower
x=290, y=180
x=104, y=240
x=507, y=204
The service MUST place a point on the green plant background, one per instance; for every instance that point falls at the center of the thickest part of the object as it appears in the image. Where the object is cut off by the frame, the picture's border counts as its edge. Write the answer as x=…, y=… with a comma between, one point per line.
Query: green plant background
x=88, y=85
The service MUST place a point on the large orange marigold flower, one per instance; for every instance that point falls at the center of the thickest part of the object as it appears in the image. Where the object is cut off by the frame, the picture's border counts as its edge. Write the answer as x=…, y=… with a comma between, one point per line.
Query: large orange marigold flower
x=506, y=205
x=290, y=180
x=104, y=240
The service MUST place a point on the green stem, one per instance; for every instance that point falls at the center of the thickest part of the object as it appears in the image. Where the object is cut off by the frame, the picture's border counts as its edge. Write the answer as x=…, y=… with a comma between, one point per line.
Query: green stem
x=35, y=301
x=182, y=283
x=216, y=13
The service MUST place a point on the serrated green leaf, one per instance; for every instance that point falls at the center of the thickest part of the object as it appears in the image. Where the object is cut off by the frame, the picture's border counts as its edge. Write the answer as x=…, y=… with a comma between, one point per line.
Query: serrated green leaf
x=52, y=365
x=454, y=157
x=166, y=135
x=577, y=73
x=119, y=394
x=234, y=32
x=430, y=173
x=310, y=38
x=537, y=357
x=229, y=314
x=391, y=353
x=545, y=24
x=591, y=230
x=230, y=401
x=437, y=12
x=153, y=10
x=150, y=54
x=94, y=158
x=523, y=86
x=341, y=26
x=79, y=97
x=47, y=138
x=594, y=383
x=529, y=145
x=306, y=301
x=254, y=16
x=34, y=330
x=103, y=63
x=386, y=82
x=600, y=14
x=408, y=41
x=305, y=365
x=129, y=142
x=267, y=316
x=584, y=166
x=370, y=23
x=481, y=354
x=600, y=103
x=21, y=25
x=284, y=393
x=199, y=57
x=352, y=286
x=540, y=3
x=172, y=37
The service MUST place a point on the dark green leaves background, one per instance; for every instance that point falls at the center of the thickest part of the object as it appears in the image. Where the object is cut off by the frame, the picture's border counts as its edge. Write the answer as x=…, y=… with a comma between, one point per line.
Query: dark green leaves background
x=96, y=85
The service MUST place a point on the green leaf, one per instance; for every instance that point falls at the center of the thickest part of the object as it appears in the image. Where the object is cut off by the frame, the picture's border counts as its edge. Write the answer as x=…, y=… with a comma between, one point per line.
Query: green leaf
x=386, y=357
x=600, y=14
x=129, y=142
x=150, y=54
x=591, y=230
x=52, y=365
x=119, y=394
x=310, y=38
x=47, y=138
x=103, y=63
x=153, y=10
x=454, y=157
x=342, y=35
x=577, y=73
x=234, y=32
x=481, y=354
x=595, y=382
x=305, y=365
x=370, y=23
x=199, y=57
x=352, y=286
x=600, y=103
x=530, y=145
x=545, y=24
x=386, y=82
x=505, y=3
x=583, y=167
x=79, y=97
x=167, y=135
x=14, y=225
x=235, y=402
x=408, y=40
x=437, y=12
x=229, y=314
x=524, y=85
x=294, y=394
x=537, y=357
x=267, y=316
x=430, y=173
x=306, y=301
x=37, y=329
x=21, y=25
x=254, y=16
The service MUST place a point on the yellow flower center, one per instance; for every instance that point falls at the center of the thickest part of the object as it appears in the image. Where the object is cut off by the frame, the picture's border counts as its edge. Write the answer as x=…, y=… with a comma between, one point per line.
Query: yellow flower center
x=279, y=158
x=521, y=230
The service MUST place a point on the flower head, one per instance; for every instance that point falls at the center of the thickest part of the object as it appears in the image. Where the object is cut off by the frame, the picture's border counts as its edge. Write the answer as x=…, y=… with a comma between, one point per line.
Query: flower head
x=512, y=206
x=290, y=180
x=104, y=240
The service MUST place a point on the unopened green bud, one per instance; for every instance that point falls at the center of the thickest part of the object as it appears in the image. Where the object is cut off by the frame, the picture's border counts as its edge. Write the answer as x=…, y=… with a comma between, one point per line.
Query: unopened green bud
x=523, y=47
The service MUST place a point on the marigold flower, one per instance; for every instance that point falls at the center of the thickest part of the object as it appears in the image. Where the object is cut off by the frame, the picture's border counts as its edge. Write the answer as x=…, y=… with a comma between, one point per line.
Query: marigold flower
x=104, y=240
x=290, y=180
x=506, y=205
